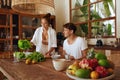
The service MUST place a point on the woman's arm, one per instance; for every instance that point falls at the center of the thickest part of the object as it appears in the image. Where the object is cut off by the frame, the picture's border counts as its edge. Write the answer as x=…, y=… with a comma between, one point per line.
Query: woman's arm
x=49, y=52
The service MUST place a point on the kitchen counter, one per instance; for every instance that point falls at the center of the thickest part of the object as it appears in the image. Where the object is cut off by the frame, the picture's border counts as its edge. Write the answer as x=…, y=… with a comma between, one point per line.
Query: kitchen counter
x=105, y=47
x=40, y=71
x=22, y=71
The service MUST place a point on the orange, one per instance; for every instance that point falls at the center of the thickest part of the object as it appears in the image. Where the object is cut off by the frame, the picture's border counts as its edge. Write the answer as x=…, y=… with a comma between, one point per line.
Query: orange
x=110, y=70
x=94, y=75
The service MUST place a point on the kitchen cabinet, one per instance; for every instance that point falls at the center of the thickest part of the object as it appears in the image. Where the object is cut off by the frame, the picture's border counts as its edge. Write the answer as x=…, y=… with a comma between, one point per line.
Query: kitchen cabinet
x=94, y=17
x=6, y=34
x=15, y=26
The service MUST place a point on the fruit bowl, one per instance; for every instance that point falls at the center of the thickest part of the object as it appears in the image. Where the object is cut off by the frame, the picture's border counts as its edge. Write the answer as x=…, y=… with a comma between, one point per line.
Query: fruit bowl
x=77, y=78
x=95, y=67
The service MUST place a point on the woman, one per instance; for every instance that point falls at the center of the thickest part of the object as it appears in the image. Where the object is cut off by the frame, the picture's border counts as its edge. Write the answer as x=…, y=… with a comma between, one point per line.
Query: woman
x=73, y=45
x=44, y=37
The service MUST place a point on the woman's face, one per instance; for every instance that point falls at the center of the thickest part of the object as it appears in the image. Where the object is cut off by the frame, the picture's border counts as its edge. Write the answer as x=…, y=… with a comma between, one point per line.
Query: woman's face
x=67, y=32
x=44, y=23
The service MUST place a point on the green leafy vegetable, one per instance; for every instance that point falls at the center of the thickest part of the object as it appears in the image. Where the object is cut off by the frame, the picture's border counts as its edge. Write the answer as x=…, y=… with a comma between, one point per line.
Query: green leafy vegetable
x=36, y=56
x=24, y=44
x=19, y=55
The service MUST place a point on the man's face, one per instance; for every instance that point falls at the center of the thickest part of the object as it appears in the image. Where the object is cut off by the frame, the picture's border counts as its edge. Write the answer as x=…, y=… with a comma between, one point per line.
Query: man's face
x=67, y=32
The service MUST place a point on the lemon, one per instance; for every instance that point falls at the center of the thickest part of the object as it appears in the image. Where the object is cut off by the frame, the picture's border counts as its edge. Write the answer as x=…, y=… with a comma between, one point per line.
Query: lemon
x=34, y=61
x=28, y=61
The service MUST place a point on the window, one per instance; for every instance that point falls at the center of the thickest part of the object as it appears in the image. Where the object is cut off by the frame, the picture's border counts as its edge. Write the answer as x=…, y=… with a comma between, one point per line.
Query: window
x=94, y=17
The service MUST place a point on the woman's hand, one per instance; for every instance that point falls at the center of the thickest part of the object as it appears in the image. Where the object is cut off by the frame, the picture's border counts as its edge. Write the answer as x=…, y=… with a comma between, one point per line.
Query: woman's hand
x=48, y=54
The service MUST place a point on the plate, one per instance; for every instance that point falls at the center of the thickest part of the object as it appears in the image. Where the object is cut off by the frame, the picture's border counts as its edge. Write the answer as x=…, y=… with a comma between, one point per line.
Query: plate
x=76, y=78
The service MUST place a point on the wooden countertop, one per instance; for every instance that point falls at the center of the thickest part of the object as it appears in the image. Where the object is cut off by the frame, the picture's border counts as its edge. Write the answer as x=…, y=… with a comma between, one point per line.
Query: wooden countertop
x=40, y=71
x=104, y=47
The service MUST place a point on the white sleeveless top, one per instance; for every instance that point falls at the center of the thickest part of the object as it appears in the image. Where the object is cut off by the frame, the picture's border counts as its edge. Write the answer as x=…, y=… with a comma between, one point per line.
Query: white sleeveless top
x=44, y=49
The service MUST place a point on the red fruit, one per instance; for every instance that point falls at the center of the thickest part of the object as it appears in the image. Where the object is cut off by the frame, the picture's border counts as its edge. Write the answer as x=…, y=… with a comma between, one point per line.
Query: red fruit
x=93, y=63
x=84, y=63
x=102, y=71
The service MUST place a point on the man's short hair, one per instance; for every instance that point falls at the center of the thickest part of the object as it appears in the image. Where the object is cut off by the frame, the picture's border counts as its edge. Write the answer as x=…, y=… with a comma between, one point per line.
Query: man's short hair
x=70, y=26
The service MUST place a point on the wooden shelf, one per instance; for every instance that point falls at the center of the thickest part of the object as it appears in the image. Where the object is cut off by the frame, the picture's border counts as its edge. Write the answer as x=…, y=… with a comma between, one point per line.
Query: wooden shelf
x=4, y=26
x=29, y=27
x=16, y=38
x=5, y=39
x=28, y=38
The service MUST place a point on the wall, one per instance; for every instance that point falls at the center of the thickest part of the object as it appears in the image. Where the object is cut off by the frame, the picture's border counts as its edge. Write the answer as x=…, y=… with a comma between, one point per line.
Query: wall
x=62, y=13
x=118, y=17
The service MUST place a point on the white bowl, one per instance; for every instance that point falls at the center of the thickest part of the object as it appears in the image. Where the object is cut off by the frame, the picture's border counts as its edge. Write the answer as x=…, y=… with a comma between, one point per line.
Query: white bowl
x=55, y=56
x=59, y=64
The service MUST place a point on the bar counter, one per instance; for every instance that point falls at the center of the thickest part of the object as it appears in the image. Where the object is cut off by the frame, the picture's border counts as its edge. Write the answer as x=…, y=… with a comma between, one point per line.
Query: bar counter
x=40, y=71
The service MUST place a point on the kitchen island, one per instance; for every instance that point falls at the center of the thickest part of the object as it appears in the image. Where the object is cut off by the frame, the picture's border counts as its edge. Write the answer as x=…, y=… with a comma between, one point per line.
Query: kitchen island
x=22, y=71
x=40, y=71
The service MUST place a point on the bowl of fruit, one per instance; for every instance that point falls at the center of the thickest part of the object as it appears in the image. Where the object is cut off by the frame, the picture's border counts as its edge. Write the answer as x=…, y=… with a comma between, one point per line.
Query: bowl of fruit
x=95, y=66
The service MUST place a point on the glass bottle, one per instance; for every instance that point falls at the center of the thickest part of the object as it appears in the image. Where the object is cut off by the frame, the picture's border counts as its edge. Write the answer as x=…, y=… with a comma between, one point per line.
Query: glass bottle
x=99, y=41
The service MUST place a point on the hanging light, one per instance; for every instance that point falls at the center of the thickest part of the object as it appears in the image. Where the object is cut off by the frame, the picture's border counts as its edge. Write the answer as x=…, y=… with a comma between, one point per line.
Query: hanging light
x=33, y=6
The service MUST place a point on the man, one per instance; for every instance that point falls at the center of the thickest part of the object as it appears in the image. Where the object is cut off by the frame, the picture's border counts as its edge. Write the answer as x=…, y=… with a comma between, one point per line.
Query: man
x=73, y=45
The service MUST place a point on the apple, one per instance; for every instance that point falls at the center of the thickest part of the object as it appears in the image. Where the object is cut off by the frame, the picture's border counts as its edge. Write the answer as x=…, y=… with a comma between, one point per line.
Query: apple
x=102, y=71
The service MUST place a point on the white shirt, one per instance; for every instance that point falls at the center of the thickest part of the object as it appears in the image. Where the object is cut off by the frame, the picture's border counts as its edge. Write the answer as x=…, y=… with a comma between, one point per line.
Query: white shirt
x=37, y=39
x=75, y=48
